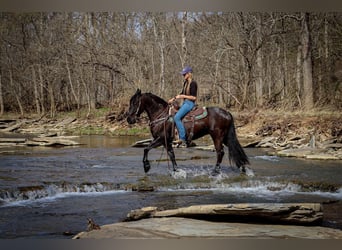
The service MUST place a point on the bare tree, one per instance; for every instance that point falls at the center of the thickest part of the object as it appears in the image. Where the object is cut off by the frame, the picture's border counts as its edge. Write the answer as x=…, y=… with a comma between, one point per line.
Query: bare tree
x=2, y=107
x=307, y=63
x=51, y=62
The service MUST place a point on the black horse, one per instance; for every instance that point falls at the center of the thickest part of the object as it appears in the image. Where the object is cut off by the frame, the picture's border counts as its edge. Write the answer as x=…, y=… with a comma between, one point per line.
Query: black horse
x=218, y=123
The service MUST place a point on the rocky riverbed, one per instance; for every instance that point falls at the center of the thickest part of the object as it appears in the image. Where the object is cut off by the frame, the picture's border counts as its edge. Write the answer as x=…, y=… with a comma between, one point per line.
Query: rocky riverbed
x=312, y=137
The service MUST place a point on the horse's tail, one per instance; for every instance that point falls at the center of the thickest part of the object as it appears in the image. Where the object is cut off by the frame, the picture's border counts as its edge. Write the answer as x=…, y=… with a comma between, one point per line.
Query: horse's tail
x=236, y=152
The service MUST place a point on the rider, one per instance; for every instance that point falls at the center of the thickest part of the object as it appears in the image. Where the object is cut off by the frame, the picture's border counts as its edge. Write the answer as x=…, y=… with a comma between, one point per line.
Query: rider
x=189, y=94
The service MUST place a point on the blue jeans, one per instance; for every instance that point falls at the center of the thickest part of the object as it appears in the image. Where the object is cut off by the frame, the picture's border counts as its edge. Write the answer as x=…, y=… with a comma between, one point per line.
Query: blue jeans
x=186, y=107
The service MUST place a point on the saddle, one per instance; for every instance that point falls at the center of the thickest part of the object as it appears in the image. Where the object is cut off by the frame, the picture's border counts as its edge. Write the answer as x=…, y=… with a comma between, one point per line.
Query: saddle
x=197, y=113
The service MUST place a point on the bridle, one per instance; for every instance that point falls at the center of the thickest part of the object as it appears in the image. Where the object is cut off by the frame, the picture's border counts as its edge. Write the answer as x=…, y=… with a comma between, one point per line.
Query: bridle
x=138, y=109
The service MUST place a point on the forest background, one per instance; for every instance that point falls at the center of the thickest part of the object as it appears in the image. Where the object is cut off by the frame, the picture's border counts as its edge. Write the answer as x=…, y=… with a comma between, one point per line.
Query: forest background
x=52, y=62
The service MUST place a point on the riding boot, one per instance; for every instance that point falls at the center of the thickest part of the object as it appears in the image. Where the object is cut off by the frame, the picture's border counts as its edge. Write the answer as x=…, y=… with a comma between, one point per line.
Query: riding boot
x=180, y=143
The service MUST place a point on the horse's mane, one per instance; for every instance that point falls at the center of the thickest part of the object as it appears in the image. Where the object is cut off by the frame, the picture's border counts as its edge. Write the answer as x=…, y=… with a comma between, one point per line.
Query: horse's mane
x=157, y=99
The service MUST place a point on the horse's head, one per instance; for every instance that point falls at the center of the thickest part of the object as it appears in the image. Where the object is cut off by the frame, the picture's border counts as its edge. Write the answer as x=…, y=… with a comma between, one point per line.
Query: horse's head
x=134, y=110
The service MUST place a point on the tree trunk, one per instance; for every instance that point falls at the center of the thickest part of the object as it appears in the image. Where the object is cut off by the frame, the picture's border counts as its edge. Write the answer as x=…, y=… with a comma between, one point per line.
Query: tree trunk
x=162, y=63
x=52, y=100
x=259, y=69
x=16, y=92
x=36, y=94
x=299, y=71
x=42, y=89
x=184, y=49
x=159, y=36
x=307, y=63
x=217, y=86
x=2, y=108
x=327, y=67
x=77, y=99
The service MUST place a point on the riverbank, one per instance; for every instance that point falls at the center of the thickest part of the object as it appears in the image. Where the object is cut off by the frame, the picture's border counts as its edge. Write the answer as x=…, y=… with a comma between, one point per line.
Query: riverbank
x=312, y=135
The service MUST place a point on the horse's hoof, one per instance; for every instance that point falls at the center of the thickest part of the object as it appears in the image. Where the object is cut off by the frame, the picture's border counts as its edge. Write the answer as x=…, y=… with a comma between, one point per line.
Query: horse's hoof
x=216, y=171
x=147, y=166
x=243, y=170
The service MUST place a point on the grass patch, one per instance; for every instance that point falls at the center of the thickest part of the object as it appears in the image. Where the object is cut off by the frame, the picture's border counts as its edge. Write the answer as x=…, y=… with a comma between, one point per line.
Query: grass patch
x=134, y=131
x=87, y=130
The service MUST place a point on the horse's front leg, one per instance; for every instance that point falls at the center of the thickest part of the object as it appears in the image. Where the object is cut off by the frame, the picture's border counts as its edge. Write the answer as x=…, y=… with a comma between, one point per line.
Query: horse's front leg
x=147, y=165
x=155, y=143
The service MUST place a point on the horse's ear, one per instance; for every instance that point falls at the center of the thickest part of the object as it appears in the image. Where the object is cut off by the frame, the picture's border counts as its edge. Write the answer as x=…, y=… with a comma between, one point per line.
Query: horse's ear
x=138, y=92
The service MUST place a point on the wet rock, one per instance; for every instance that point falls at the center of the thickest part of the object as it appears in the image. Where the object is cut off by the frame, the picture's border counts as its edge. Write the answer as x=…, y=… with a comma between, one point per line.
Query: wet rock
x=206, y=148
x=292, y=213
x=142, y=213
x=301, y=153
x=321, y=157
x=143, y=188
x=310, y=153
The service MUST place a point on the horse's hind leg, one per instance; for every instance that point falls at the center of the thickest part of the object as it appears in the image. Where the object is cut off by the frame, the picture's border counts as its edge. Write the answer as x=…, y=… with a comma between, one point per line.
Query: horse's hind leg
x=171, y=154
x=219, y=156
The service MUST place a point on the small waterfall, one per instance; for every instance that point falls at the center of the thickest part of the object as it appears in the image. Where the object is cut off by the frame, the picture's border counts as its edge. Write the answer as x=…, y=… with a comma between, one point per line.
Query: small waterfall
x=33, y=193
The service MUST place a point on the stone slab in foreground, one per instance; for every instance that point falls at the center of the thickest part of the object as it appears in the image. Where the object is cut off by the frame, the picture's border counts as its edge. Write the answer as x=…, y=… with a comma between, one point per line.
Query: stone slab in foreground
x=221, y=221
x=176, y=227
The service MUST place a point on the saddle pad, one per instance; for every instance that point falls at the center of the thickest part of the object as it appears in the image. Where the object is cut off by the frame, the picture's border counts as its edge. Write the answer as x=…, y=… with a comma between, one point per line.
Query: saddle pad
x=196, y=114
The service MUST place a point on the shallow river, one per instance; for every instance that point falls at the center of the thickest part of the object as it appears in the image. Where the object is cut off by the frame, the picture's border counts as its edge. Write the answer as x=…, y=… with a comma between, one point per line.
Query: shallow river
x=50, y=192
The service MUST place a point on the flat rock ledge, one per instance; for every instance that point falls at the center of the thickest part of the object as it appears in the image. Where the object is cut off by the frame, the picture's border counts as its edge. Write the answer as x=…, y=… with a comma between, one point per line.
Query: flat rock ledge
x=46, y=141
x=232, y=221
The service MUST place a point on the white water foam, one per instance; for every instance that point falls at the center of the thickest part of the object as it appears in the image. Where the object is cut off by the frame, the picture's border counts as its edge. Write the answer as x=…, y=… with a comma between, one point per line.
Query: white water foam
x=52, y=192
x=179, y=174
x=249, y=172
x=266, y=190
x=268, y=158
x=49, y=199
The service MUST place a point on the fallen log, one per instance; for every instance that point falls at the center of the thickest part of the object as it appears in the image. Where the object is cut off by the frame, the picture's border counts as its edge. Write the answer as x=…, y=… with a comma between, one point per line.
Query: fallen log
x=65, y=122
x=12, y=140
x=13, y=127
x=142, y=143
x=276, y=213
x=51, y=141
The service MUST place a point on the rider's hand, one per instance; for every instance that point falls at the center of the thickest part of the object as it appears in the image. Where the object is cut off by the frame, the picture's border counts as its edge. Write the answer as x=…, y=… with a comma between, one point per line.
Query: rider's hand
x=172, y=100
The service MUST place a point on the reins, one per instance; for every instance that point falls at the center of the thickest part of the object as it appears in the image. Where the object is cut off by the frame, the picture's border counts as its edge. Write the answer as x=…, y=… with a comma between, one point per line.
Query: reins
x=159, y=118
x=167, y=155
x=163, y=116
x=164, y=119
